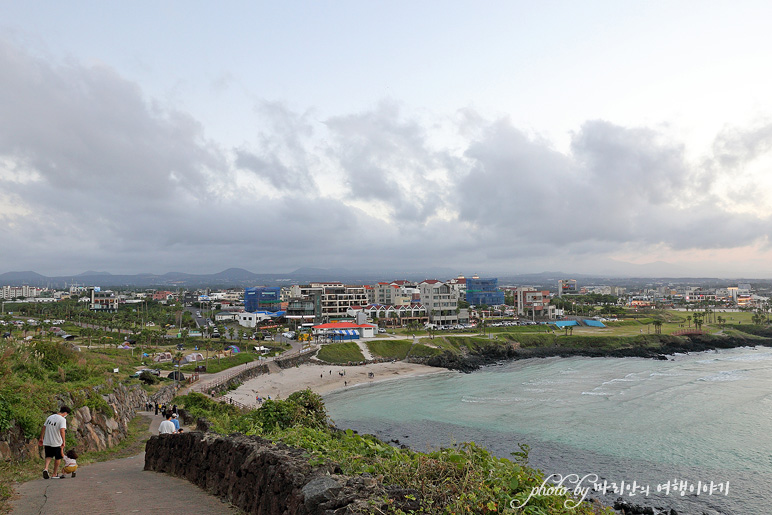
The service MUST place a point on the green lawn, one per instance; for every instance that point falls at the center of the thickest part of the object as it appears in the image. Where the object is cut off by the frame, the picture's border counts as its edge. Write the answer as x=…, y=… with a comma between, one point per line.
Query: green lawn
x=340, y=353
x=390, y=349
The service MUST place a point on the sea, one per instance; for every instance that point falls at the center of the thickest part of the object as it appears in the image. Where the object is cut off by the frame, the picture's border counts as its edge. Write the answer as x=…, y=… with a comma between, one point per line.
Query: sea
x=692, y=433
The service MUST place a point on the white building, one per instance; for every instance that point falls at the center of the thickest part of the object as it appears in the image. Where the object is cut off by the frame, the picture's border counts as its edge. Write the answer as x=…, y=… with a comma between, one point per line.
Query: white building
x=252, y=319
x=440, y=301
x=12, y=292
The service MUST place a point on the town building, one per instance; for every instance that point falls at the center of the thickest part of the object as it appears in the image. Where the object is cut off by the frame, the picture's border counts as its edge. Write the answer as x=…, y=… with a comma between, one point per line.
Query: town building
x=532, y=302
x=104, y=301
x=567, y=287
x=262, y=298
x=440, y=301
x=483, y=292
x=14, y=292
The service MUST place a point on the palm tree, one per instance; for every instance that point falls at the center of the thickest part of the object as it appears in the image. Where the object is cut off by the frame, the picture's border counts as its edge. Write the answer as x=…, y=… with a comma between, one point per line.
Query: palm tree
x=657, y=326
x=25, y=327
x=689, y=320
x=177, y=359
x=698, y=320
x=208, y=347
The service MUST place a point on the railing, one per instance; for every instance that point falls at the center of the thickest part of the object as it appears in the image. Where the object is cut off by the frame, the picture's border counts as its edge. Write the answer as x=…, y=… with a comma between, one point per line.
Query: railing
x=223, y=379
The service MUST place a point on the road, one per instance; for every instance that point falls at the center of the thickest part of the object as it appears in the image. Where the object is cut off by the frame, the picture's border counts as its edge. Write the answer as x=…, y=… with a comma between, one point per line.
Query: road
x=116, y=487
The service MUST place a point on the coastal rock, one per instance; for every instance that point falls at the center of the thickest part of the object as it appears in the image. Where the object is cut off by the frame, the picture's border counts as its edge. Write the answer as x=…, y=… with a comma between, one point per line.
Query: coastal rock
x=319, y=490
x=493, y=352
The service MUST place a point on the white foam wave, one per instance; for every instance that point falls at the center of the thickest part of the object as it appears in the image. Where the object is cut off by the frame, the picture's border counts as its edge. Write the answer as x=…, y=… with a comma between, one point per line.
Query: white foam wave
x=725, y=375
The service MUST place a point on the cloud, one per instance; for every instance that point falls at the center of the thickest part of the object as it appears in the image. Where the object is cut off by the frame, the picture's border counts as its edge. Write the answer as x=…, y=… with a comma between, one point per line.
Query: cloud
x=94, y=175
x=283, y=158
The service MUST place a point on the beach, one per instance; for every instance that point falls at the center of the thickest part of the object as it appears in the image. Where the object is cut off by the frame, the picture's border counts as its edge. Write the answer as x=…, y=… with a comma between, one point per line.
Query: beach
x=324, y=379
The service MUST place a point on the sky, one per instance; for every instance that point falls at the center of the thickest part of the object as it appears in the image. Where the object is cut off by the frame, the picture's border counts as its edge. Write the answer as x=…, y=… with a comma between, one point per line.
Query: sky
x=602, y=137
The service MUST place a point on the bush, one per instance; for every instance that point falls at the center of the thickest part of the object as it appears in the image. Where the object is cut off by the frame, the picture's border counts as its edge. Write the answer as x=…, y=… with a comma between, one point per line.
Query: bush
x=148, y=378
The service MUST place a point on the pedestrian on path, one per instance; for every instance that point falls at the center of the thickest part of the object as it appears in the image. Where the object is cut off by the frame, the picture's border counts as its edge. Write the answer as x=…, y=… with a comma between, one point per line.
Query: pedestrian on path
x=167, y=426
x=52, y=439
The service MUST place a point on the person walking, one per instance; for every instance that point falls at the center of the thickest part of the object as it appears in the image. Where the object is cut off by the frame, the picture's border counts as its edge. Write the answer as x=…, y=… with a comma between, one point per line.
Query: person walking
x=177, y=422
x=52, y=439
x=167, y=426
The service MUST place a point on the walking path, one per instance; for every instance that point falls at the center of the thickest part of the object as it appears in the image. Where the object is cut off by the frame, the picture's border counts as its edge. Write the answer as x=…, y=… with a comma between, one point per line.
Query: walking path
x=365, y=351
x=116, y=487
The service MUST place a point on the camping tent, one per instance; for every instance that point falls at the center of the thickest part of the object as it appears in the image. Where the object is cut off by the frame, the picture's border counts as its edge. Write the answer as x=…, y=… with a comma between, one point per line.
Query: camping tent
x=163, y=356
x=192, y=358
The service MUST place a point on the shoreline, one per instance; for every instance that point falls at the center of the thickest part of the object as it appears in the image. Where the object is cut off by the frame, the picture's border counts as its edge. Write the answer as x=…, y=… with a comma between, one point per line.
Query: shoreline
x=324, y=379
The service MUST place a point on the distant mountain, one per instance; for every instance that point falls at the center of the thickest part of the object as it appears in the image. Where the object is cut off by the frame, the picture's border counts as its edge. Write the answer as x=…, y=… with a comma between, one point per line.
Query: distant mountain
x=239, y=278
x=19, y=278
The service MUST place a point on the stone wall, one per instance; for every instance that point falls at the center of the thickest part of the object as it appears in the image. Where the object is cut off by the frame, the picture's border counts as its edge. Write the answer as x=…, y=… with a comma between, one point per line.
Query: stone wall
x=264, y=478
x=294, y=360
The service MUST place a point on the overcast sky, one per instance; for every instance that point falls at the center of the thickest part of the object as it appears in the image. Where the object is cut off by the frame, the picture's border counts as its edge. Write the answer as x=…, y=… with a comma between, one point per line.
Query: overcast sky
x=495, y=138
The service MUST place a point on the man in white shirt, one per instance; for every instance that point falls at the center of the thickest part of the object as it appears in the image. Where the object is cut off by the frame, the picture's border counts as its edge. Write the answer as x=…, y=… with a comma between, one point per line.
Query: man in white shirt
x=52, y=439
x=167, y=426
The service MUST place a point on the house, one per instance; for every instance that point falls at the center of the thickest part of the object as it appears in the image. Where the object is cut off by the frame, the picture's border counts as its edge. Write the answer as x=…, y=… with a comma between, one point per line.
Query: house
x=345, y=330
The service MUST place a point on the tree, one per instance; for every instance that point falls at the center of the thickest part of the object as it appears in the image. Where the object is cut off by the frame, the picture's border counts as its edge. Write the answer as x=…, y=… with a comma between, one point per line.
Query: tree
x=698, y=318
x=208, y=347
x=25, y=327
x=657, y=326
x=177, y=359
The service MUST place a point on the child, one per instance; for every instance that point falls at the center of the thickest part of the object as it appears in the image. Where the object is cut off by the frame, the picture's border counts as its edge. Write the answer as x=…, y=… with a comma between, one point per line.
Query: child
x=69, y=462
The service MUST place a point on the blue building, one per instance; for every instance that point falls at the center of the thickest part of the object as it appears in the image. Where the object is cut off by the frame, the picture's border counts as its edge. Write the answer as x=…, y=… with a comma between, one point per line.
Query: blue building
x=262, y=298
x=483, y=291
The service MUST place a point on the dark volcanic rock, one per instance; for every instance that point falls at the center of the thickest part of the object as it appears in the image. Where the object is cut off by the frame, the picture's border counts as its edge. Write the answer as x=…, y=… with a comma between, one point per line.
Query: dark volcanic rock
x=264, y=478
x=495, y=352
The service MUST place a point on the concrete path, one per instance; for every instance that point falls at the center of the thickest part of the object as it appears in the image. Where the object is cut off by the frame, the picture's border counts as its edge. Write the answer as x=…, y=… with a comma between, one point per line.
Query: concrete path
x=116, y=487
x=365, y=351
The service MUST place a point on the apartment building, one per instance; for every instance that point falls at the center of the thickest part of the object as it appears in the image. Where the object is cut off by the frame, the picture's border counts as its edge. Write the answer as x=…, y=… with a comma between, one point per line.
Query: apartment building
x=533, y=301
x=440, y=301
x=336, y=298
x=392, y=294
x=12, y=292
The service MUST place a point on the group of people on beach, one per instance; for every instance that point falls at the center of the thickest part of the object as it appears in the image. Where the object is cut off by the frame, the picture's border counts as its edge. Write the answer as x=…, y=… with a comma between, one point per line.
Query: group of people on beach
x=52, y=440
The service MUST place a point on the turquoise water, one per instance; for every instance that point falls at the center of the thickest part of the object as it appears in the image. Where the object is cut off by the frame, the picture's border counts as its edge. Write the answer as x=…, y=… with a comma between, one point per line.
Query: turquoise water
x=701, y=417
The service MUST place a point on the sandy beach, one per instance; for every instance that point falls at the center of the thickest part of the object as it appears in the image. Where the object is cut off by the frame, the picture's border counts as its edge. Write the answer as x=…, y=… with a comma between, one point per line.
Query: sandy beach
x=323, y=379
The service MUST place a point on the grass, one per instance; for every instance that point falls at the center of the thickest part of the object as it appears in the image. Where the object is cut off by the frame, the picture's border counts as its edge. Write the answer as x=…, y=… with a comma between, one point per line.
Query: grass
x=389, y=349
x=420, y=350
x=340, y=353
x=218, y=365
